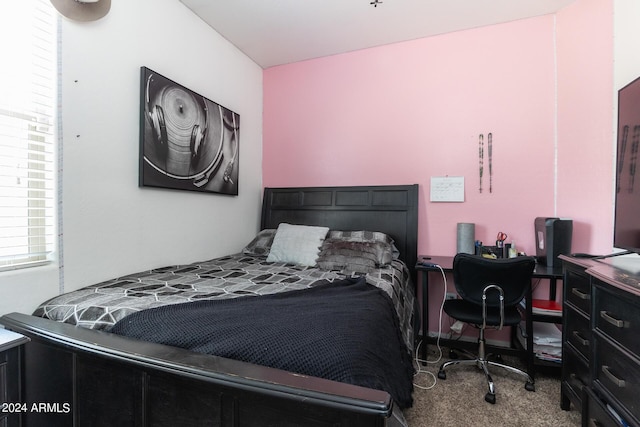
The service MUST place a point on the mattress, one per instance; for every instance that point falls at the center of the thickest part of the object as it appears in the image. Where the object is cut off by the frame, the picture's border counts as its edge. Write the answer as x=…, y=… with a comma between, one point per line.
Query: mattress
x=101, y=305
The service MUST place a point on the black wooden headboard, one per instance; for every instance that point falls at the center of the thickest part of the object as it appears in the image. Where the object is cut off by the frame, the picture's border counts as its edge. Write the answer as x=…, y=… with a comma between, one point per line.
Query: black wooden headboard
x=391, y=209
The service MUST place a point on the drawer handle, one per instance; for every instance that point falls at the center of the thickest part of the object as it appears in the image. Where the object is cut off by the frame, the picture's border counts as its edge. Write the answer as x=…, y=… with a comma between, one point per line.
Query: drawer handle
x=579, y=337
x=594, y=423
x=617, y=381
x=615, y=322
x=575, y=377
x=577, y=292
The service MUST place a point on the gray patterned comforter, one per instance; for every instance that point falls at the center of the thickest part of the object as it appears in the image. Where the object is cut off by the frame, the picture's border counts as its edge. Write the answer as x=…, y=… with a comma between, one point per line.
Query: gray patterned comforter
x=100, y=306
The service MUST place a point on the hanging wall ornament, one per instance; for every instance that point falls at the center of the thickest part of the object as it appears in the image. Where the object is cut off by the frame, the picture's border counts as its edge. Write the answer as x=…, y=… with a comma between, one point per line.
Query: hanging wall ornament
x=86, y=10
x=481, y=157
x=490, y=147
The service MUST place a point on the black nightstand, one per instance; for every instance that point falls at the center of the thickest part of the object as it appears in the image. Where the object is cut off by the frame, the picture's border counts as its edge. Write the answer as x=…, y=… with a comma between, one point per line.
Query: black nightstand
x=10, y=351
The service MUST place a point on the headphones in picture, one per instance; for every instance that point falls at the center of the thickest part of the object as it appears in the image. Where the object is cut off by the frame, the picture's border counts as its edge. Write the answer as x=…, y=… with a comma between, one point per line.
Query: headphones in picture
x=155, y=115
x=198, y=134
x=233, y=126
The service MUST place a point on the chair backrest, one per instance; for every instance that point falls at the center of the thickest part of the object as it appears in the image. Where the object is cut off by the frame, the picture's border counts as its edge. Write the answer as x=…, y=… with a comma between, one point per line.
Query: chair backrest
x=472, y=273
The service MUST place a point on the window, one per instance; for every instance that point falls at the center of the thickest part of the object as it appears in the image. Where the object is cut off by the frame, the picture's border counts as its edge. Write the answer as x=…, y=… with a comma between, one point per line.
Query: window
x=28, y=98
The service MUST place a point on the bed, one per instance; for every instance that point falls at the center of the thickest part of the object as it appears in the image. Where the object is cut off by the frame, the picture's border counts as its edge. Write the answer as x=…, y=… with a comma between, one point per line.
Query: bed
x=109, y=379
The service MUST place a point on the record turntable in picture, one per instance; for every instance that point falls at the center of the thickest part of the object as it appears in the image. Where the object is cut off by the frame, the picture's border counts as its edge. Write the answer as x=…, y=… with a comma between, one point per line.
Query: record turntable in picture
x=188, y=142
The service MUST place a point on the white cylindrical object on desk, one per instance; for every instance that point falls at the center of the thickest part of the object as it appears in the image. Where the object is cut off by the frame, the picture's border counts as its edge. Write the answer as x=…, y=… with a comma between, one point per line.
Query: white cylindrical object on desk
x=466, y=238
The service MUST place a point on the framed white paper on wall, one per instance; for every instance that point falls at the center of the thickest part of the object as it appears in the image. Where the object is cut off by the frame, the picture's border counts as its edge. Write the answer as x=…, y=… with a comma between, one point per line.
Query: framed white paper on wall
x=447, y=189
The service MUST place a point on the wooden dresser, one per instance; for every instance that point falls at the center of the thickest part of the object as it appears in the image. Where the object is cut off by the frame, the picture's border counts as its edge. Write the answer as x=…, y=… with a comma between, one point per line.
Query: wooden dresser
x=601, y=340
x=11, y=407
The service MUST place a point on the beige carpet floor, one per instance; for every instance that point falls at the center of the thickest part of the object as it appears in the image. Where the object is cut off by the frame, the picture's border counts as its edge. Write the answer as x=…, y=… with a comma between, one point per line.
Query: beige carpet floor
x=459, y=400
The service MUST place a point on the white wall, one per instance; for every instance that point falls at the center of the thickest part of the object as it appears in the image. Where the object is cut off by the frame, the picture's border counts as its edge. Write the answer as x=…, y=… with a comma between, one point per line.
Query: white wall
x=111, y=226
x=626, y=44
x=626, y=61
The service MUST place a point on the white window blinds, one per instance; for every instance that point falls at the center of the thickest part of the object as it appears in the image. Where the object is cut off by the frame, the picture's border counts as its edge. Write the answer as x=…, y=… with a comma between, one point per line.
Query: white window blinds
x=28, y=85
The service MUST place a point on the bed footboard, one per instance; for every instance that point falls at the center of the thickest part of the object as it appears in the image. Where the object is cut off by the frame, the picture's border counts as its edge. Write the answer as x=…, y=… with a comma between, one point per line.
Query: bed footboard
x=93, y=378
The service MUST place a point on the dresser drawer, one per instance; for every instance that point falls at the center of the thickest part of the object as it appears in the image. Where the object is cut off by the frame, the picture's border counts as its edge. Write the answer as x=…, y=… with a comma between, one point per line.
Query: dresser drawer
x=618, y=318
x=596, y=413
x=4, y=377
x=577, y=331
x=617, y=373
x=578, y=291
x=9, y=386
x=575, y=371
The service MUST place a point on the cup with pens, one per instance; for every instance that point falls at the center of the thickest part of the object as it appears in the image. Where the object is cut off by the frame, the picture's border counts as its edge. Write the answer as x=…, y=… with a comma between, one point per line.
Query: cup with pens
x=507, y=249
x=500, y=238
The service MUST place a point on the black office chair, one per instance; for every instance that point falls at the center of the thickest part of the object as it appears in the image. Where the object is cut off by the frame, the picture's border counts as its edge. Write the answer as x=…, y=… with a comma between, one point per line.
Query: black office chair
x=490, y=291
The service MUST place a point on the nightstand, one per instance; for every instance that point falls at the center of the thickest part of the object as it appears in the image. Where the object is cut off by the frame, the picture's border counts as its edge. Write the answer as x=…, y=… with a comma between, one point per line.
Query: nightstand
x=10, y=351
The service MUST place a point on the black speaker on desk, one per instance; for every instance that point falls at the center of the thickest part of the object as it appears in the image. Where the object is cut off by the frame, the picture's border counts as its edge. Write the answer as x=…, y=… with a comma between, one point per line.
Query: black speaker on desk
x=553, y=238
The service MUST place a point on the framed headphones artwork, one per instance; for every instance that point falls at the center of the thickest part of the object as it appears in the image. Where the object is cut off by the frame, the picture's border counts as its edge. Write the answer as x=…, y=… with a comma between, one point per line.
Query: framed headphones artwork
x=187, y=142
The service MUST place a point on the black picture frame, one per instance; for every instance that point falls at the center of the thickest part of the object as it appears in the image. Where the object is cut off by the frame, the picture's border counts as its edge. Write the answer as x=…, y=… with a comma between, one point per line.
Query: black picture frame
x=187, y=141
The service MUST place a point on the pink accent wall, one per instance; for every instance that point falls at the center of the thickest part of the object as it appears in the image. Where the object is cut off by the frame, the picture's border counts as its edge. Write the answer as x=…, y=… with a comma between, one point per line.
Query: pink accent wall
x=586, y=141
x=402, y=113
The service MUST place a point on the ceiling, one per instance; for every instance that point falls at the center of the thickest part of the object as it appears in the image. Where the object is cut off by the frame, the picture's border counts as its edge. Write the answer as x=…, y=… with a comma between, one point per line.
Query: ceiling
x=275, y=32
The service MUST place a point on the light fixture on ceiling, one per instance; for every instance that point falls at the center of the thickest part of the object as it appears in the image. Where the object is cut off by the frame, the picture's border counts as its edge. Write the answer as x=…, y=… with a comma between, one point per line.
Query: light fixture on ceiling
x=375, y=3
x=82, y=10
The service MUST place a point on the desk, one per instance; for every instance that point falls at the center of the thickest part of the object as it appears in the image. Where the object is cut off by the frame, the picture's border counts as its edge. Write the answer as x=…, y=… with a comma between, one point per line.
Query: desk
x=446, y=262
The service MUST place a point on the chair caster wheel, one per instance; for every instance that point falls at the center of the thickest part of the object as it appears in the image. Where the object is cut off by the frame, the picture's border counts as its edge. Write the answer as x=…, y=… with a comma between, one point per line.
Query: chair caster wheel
x=530, y=386
x=491, y=398
x=442, y=375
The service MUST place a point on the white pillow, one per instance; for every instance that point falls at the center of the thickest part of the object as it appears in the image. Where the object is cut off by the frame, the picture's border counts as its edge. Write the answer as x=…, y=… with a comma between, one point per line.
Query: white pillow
x=297, y=244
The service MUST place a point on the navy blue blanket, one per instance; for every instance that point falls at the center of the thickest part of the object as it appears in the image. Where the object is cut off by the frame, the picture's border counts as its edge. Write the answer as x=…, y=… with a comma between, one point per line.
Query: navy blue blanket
x=344, y=331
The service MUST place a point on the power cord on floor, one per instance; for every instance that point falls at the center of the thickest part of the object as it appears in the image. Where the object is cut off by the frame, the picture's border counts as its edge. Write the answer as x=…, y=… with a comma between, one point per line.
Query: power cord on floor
x=419, y=369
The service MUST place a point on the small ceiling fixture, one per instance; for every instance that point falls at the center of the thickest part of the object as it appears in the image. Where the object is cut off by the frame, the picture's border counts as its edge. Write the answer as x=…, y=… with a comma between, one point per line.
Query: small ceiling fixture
x=375, y=3
x=82, y=10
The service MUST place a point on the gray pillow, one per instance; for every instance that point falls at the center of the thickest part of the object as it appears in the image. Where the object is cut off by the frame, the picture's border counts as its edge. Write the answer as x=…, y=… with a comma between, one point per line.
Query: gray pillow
x=297, y=244
x=367, y=236
x=349, y=257
x=261, y=244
